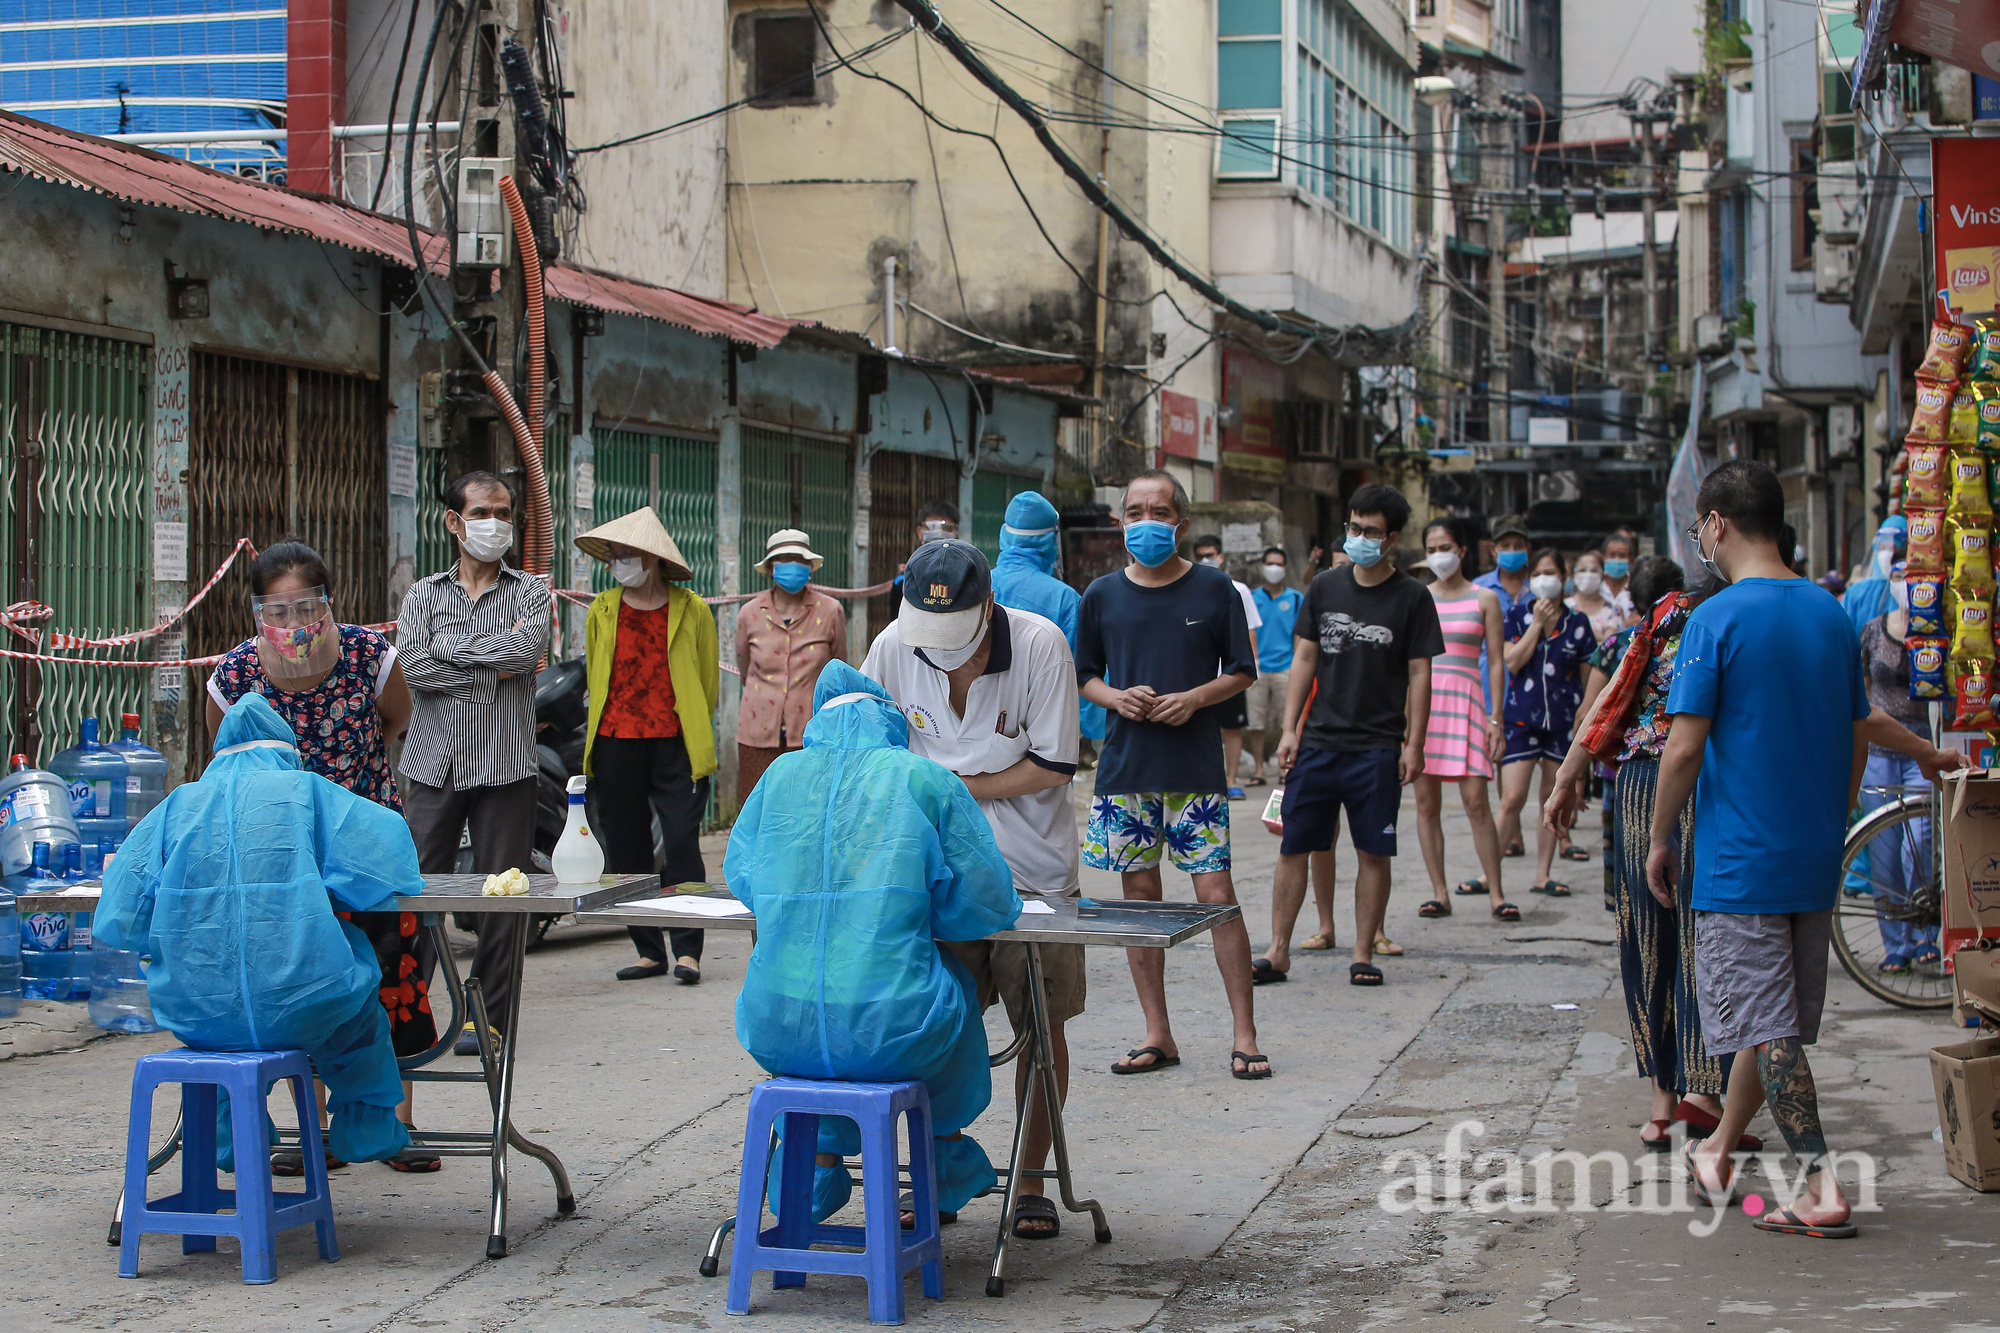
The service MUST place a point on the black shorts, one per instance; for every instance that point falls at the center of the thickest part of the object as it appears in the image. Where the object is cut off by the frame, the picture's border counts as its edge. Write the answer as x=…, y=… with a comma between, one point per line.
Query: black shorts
x=1322, y=782
x=1233, y=714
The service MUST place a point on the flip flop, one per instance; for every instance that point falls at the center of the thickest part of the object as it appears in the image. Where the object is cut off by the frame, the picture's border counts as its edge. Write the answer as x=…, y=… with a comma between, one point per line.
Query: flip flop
x=1662, y=1143
x=1574, y=853
x=1263, y=974
x=1037, y=1208
x=1470, y=887
x=1433, y=908
x=1506, y=912
x=1161, y=1060
x=1310, y=947
x=1700, y=1124
x=1385, y=945
x=1248, y=782
x=1515, y=849
x=1363, y=974
x=1554, y=888
x=1250, y=1063
x=1702, y=1191
x=414, y=1161
x=1785, y=1222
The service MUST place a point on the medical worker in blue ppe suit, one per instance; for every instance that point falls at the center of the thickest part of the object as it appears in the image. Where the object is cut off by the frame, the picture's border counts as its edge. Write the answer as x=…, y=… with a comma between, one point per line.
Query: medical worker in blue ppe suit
x=858, y=857
x=231, y=884
x=1024, y=580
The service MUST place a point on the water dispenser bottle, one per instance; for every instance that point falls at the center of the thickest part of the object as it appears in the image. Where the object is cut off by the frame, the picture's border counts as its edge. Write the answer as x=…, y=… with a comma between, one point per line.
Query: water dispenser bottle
x=96, y=775
x=46, y=969
x=118, y=998
x=10, y=956
x=34, y=807
x=145, y=771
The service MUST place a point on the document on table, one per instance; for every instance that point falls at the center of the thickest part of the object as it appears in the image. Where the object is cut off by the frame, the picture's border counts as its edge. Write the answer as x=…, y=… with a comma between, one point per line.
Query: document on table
x=690, y=905
x=1029, y=907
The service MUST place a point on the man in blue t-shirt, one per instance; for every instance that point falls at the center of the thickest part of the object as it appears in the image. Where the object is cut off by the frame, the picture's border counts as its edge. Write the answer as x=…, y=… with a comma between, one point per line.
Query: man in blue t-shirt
x=1277, y=607
x=1768, y=706
x=1160, y=643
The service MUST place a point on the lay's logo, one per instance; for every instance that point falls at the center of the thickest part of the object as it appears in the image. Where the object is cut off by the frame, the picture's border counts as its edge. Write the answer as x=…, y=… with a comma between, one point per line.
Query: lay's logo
x=1967, y=276
x=1989, y=411
x=1923, y=593
x=1929, y=657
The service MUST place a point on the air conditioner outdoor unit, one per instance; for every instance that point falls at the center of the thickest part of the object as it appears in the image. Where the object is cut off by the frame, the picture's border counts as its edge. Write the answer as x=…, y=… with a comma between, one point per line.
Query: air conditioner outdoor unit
x=1557, y=488
x=482, y=214
x=1833, y=270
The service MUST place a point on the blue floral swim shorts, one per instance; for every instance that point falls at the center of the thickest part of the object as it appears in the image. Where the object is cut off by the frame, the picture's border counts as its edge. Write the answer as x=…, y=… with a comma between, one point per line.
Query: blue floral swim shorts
x=1130, y=830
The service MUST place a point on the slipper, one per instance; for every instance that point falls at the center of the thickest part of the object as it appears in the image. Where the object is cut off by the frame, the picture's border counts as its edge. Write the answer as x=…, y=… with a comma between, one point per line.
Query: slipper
x=1385, y=945
x=1928, y=956
x=1662, y=1143
x=1161, y=1060
x=640, y=972
x=909, y=1218
x=291, y=1162
x=1469, y=887
x=1363, y=974
x=1250, y=1063
x=1702, y=1192
x=1433, y=908
x=1235, y=793
x=1263, y=974
x=1786, y=1223
x=1326, y=942
x=1506, y=912
x=687, y=976
x=1037, y=1208
x=1574, y=853
x=1248, y=782
x=1515, y=849
x=414, y=1161
x=1554, y=888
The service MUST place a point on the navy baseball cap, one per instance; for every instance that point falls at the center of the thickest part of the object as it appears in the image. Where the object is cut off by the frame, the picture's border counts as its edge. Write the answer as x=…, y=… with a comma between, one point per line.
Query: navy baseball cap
x=945, y=588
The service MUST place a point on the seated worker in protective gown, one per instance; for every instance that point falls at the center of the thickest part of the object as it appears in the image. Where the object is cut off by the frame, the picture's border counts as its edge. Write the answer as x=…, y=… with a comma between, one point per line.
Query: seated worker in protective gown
x=858, y=857
x=231, y=885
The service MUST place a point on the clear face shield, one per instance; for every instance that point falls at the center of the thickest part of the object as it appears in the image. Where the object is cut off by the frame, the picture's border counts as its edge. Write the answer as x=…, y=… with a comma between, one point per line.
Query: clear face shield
x=296, y=635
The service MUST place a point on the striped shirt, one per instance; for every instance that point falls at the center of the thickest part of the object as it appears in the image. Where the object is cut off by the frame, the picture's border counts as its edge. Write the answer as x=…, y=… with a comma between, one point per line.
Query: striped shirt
x=469, y=727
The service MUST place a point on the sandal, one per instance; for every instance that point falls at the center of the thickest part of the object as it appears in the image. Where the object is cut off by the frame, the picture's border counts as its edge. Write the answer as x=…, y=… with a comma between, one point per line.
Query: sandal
x=1786, y=1222
x=1662, y=1143
x=1506, y=912
x=1325, y=939
x=1161, y=1060
x=1515, y=849
x=1468, y=887
x=1385, y=945
x=292, y=1162
x=413, y=1161
x=1263, y=974
x=1554, y=888
x=1702, y=1192
x=1574, y=853
x=1433, y=908
x=1363, y=974
x=1248, y=782
x=1250, y=1063
x=907, y=1204
x=1036, y=1208
x=1700, y=1124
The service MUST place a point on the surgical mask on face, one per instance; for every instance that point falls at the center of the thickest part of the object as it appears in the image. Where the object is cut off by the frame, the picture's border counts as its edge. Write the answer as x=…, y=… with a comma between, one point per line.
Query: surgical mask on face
x=1274, y=574
x=1588, y=580
x=1546, y=586
x=937, y=532
x=1151, y=542
x=1363, y=551
x=631, y=573
x=1707, y=558
x=1212, y=561
x=1617, y=569
x=1512, y=561
x=1900, y=591
x=790, y=575
x=955, y=658
x=487, y=539
x=1444, y=564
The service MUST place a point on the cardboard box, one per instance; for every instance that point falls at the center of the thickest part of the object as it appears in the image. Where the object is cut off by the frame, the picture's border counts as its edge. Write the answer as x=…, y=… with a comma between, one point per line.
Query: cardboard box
x=1975, y=983
x=1971, y=867
x=1967, y=1079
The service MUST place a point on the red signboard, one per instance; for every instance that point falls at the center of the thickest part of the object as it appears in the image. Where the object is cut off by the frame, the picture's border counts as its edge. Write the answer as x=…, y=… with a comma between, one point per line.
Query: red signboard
x=1962, y=34
x=1254, y=387
x=1965, y=226
x=1180, y=425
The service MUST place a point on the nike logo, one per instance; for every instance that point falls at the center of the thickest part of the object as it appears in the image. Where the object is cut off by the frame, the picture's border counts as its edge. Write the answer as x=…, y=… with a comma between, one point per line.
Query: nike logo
x=1194, y=622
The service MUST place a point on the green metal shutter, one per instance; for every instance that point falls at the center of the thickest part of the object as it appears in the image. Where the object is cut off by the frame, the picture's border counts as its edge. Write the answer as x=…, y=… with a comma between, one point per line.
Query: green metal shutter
x=435, y=550
x=767, y=497
x=629, y=465
x=797, y=481
x=899, y=484
x=990, y=493
x=826, y=507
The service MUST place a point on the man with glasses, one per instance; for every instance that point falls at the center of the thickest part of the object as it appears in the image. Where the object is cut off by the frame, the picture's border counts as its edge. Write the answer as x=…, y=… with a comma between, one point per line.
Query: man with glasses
x=1362, y=648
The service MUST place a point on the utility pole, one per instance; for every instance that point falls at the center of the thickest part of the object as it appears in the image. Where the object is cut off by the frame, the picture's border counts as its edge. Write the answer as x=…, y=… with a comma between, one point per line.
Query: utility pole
x=1499, y=179
x=1100, y=420
x=1649, y=257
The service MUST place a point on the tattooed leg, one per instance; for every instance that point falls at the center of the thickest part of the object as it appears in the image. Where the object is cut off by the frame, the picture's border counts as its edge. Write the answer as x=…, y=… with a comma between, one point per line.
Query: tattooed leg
x=1794, y=1102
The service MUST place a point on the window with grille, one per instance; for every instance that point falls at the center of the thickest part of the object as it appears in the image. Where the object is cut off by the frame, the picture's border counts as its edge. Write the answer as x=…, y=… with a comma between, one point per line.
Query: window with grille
x=783, y=48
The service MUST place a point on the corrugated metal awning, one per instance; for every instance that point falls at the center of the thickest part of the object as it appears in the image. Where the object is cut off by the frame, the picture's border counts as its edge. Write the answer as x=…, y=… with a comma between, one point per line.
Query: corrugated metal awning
x=627, y=296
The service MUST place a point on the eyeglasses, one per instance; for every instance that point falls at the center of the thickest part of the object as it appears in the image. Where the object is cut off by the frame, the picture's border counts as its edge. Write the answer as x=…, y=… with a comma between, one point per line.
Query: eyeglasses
x=1372, y=534
x=286, y=614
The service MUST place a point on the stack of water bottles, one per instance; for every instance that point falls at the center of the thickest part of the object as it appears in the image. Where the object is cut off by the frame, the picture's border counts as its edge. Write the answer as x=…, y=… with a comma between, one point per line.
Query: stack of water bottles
x=65, y=824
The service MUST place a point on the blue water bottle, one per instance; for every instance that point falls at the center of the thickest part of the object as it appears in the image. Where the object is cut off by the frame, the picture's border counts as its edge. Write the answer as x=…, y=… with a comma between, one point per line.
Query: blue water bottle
x=96, y=775
x=45, y=962
x=145, y=771
x=10, y=956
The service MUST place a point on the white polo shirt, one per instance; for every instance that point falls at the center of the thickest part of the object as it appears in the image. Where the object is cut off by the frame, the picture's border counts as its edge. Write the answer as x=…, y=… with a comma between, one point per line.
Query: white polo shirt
x=1023, y=706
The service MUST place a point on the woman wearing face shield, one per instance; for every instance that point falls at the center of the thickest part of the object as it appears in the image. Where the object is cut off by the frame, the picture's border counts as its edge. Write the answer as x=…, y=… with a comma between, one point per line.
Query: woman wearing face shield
x=342, y=692
x=649, y=748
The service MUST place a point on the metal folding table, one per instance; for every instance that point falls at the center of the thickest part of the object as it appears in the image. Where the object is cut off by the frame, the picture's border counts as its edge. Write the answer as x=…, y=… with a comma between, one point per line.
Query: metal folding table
x=445, y=894
x=1140, y=925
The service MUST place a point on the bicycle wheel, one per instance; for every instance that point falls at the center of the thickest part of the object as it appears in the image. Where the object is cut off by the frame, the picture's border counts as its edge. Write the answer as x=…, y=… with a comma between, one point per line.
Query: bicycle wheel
x=1890, y=913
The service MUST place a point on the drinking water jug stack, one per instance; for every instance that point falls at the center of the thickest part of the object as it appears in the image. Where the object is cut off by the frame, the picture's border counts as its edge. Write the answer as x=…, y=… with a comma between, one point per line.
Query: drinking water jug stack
x=145, y=771
x=35, y=818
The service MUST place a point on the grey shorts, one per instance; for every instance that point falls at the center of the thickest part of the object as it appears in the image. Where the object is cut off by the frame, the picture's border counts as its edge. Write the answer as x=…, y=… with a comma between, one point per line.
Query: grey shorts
x=1266, y=701
x=1759, y=977
x=1000, y=969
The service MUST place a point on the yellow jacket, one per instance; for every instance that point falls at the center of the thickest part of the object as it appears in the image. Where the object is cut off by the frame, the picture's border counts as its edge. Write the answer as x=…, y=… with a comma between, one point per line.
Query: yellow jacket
x=691, y=662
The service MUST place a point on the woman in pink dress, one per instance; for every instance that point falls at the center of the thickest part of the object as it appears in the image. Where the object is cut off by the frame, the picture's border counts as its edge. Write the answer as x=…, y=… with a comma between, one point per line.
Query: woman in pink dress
x=1462, y=742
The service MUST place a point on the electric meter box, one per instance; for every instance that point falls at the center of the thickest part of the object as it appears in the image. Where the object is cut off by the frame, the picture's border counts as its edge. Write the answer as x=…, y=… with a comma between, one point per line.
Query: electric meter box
x=483, y=224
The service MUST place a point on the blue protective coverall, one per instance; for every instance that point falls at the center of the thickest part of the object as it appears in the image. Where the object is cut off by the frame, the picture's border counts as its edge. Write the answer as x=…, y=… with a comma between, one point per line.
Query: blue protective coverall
x=858, y=857
x=1024, y=580
x=226, y=885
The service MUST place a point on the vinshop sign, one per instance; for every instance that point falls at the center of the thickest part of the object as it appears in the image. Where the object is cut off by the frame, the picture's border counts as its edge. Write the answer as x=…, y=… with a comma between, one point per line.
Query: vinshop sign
x=1965, y=223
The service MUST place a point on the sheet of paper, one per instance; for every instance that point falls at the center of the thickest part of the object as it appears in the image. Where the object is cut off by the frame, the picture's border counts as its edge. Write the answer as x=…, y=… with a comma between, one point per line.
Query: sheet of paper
x=680, y=905
x=1029, y=907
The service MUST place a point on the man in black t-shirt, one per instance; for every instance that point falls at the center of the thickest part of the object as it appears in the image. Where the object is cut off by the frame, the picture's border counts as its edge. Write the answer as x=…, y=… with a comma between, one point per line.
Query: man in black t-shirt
x=1161, y=643
x=1362, y=649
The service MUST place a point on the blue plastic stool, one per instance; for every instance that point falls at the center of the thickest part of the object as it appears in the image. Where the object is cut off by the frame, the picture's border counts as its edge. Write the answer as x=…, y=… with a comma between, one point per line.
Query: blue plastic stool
x=888, y=1252
x=193, y=1214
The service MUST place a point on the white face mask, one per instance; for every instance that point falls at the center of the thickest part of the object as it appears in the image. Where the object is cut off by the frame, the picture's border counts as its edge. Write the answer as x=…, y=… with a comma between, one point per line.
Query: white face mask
x=631, y=573
x=1548, y=587
x=955, y=658
x=1274, y=574
x=487, y=539
x=1589, y=580
x=1444, y=564
x=1212, y=560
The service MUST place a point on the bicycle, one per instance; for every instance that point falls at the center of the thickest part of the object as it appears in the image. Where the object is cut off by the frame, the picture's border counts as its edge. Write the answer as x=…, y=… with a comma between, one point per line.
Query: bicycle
x=1892, y=889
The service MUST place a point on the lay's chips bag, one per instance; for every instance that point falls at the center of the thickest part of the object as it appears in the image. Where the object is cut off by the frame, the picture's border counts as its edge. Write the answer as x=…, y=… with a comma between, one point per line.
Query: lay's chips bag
x=1927, y=658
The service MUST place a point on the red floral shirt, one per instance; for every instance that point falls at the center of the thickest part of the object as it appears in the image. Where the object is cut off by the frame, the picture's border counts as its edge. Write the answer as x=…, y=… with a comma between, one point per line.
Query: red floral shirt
x=639, y=703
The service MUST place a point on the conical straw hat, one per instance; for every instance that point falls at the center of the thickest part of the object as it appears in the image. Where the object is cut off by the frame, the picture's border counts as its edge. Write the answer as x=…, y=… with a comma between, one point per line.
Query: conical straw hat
x=642, y=531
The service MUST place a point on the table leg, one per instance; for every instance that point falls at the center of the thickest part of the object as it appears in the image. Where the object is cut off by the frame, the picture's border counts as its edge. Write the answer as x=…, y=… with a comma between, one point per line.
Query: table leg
x=503, y=1106
x=1038, y=994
